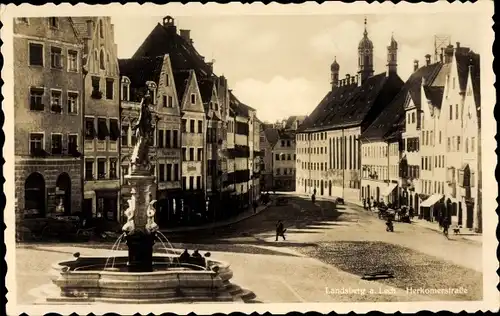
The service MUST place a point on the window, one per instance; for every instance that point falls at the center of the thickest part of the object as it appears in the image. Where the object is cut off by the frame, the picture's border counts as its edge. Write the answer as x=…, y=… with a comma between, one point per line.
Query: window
x=277, y=157
x=101, y=29
x=191, y=126
x=114, y=130
x=101, y=168
x=89, y=128
x=95, y=83
x=458, y=143
x=36, y=99
x=72, y=60
x=184, y=154
x=183, y=183
x=278, y=171
x=101, y=60
x=36, y=54
x=451, y=112
x=109, y=88
x=161, y=140
x=289, y=157
x=125, y=89
x=125, y=135
x=184, y=123
x=176, y=172
x=191, y=154
x=72, y=102
x=102, y=129
x=55, y=57
x=169, y=172
x=112, y=169
x=193, y=98
x=448, y=148
x=55, y=101
x=36, y=143
x=200, y=154
x=439, y=137
x=53, y=22
x=191, y=183
x=175, y=138
x=167, y=80
x=162, y=172
x=288, y=143
x=72, y=144
x=472, y=144
x=200, y=126
x=89, y=169
x=413, y=117
x=198, y=183
x=456, y=111
x=56, y=144
x=165, y=101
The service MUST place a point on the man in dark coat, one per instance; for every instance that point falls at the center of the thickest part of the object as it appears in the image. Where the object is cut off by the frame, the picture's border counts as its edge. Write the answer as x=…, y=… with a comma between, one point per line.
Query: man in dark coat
x=280, y=230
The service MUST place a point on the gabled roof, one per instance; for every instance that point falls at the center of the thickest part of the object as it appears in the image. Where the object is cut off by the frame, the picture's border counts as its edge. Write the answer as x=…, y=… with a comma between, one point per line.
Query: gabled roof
x=80, y=24
x=352, y=105
x=139, y=71
x=434, y=95
x=239, y=108
x=428, y=74
x=181, y=79
x=206, y=89
x=390, y=122
x=272, y=136
x=286, y=135
x=466, y=58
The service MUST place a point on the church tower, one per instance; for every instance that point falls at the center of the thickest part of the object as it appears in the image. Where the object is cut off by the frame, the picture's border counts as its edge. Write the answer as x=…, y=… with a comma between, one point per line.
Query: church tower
x=335, y=73
x=365, y=57
x=392, y=57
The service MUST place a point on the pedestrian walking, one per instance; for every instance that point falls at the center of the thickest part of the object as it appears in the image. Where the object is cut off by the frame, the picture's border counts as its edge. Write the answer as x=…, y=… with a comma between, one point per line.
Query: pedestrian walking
x=280, y=230
x=255, y=206
x=411, y=213
x=364, y=203
x=313, y=198
x=369, y=204
x=445, y=225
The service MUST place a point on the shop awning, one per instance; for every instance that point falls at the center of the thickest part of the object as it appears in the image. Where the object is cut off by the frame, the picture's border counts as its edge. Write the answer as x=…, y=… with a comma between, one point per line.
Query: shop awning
x=433, y=199
x=387, y=191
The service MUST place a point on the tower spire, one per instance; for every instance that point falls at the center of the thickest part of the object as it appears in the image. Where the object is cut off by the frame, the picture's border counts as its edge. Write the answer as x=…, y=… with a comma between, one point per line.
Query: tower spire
x=365, y=33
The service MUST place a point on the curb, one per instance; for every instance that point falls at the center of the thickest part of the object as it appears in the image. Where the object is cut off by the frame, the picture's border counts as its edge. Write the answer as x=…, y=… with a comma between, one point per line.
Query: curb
x=199, y=228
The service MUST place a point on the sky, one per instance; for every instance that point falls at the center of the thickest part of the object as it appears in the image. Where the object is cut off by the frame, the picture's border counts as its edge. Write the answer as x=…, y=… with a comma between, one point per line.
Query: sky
x=280, y=65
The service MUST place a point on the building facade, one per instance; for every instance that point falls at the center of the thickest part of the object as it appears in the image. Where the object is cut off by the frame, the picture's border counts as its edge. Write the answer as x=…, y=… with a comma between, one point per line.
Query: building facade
x=102, y=118
x=268, y=138
x=284, y=159
x=328, y=141
x=48, y=113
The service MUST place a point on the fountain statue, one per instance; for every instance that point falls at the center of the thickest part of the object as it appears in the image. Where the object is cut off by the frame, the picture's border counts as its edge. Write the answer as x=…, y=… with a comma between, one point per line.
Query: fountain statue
x=141, y=239
x=129, y=212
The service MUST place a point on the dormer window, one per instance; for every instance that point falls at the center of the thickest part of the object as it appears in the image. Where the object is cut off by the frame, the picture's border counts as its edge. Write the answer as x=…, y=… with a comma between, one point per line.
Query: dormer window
x=54, y=22
x=193, y=98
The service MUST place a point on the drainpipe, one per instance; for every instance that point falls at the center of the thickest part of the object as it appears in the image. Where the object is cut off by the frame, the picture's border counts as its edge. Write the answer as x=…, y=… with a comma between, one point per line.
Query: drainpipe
x=82, y=140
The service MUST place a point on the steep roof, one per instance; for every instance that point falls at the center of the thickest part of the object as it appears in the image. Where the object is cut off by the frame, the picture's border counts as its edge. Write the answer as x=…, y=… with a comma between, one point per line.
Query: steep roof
x=286, y=135
x=181, y=79
x=272, y=136
x=206, y=89
x=183, y=55
x=352, y=105
x=428, y=74
x=434, y=95
x=388, y=123
x=139, y=71
x=80, y=24
x=469, y=62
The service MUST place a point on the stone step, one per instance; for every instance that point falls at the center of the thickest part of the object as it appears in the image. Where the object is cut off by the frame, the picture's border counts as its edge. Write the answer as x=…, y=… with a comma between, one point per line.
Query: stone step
x=233, y=289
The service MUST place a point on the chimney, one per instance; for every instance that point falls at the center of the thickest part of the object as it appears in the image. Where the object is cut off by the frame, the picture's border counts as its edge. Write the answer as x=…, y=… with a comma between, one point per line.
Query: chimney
x=415, y=65
x=347, y=78
x=458, y=44
x=211, y=66
x=448, y=54
x=353, y=79
x=427, y=59
x=186, y=35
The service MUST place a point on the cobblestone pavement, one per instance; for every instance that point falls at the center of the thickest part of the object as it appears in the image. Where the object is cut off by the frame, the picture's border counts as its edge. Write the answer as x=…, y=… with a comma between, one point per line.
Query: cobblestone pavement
x=326, y=249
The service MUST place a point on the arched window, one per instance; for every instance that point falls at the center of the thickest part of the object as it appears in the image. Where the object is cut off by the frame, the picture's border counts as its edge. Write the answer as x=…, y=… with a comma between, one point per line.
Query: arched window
x=101, y=60
x=63, y=185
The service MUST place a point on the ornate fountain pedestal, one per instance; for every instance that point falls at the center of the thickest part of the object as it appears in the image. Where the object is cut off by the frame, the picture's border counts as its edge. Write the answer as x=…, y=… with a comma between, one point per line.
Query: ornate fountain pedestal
x=141, y=239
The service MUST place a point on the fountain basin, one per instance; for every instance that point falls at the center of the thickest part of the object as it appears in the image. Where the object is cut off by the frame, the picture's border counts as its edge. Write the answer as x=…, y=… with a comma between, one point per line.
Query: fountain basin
x=85, y=280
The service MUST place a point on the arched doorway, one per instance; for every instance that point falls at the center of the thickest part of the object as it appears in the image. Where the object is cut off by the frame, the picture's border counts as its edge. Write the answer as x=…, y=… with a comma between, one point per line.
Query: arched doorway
x=330, y=188
x=378, y=194
x=63, y=191
x=322, y=188
x=34, y=195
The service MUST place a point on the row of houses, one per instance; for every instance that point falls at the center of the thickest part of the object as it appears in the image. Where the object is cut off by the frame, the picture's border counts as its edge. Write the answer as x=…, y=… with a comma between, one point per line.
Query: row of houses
x=414, y=143
x=75, y=107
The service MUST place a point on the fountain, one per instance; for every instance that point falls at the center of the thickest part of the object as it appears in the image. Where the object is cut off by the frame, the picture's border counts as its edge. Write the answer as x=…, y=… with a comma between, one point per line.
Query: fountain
x=141, y=277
